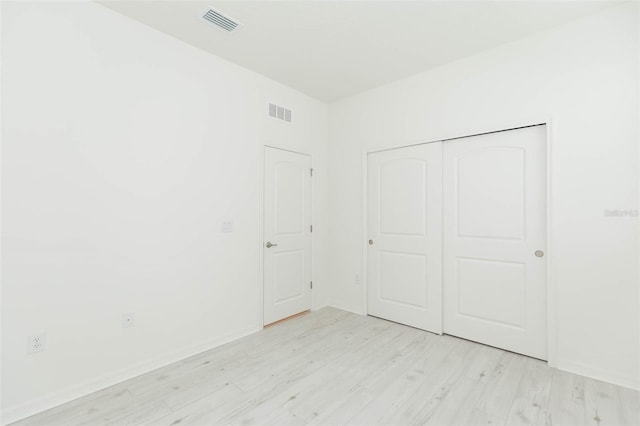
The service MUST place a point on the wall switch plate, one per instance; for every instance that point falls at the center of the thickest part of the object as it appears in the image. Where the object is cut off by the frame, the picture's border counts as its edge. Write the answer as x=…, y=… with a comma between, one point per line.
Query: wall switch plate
x=227, y=227
x=127, y=320
x=357, y=280
x=36, y=343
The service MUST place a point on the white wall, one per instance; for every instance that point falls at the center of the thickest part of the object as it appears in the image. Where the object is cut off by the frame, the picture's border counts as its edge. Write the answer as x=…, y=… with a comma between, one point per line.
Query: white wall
x=584, y=76
x=123, y=151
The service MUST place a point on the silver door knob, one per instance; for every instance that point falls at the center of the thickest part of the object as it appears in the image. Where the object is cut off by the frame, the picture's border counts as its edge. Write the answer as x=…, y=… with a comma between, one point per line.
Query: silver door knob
x=370, y=242
x=269, y=245
x=539, y=253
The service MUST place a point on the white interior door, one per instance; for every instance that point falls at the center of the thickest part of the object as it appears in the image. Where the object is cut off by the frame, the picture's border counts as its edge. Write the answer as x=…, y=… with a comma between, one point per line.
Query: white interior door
x=405, y=232
x=494, y=231
x=287, y=234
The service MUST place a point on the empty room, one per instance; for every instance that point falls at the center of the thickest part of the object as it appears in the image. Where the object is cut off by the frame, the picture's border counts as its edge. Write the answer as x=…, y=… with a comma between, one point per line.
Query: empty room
x=307, y=212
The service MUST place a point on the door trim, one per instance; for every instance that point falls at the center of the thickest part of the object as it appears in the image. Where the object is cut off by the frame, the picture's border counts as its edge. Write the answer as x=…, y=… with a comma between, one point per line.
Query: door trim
x=260, y=240
x=552, y=325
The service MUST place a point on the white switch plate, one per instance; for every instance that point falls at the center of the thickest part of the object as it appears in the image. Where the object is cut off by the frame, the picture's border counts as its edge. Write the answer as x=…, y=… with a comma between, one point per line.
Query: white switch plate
x=227, y=227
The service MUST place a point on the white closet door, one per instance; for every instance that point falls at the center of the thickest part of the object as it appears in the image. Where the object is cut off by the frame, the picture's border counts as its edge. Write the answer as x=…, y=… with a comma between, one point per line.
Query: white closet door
x=287, y=234
x=405, y=232
x=494, y=231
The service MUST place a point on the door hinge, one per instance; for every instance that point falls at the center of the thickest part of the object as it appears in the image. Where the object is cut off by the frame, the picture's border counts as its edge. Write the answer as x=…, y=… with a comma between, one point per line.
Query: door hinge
x=311, y=285
x=310, y=228
x=311, y=172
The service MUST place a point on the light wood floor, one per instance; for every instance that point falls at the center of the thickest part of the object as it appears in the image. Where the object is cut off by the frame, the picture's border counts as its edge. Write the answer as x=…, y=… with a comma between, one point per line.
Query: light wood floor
x=336, y=368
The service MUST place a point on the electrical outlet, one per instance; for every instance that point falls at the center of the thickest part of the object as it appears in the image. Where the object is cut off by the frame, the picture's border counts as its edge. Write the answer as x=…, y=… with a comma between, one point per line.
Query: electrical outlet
x=357, y=280
x=227, y=227
x=127, y=320
x=36, y=343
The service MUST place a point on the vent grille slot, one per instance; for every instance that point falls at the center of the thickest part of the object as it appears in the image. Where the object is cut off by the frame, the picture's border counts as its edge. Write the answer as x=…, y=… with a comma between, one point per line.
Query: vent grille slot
x=218, y=19
x=280, y=113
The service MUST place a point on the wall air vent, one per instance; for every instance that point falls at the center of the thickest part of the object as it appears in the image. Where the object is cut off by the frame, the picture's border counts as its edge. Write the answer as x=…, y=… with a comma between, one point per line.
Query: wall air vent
x=220, y=20
x=280, y=113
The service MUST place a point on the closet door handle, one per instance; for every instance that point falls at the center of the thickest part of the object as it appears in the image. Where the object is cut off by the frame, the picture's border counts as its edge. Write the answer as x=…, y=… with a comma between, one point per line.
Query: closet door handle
x=269, y=245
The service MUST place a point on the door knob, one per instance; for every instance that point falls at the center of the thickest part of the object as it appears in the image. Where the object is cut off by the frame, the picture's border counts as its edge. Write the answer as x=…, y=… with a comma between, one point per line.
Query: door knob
x=539, y=253
x=269, y=245
x=370, y=242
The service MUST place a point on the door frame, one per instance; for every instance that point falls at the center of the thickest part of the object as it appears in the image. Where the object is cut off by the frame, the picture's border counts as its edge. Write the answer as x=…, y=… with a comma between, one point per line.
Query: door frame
x=261, y=224
x=552, y=327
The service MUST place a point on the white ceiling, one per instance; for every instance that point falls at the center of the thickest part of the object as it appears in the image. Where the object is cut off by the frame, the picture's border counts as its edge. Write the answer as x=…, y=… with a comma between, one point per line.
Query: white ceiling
x=333, y=49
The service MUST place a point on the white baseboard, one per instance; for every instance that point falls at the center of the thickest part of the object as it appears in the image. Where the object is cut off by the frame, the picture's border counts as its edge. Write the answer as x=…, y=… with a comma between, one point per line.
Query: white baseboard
x=599, y=374
x=317, y=308
x=70, y=393
x=348, y=308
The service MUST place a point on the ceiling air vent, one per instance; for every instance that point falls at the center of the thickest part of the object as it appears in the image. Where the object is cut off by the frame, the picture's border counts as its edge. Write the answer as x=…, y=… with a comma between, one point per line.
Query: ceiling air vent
x=221, y=21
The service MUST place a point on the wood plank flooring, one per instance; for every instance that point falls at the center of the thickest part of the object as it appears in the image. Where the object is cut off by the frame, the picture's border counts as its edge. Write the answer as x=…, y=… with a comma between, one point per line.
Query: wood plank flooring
x=331, y=367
